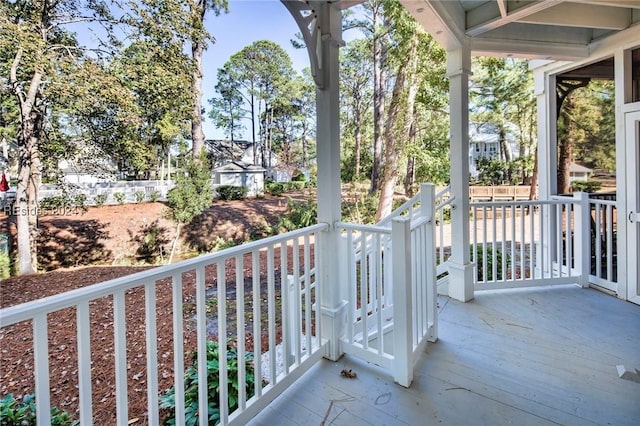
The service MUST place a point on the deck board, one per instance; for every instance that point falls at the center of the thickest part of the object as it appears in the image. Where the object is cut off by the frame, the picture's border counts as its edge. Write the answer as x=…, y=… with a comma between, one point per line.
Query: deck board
x=529, y=357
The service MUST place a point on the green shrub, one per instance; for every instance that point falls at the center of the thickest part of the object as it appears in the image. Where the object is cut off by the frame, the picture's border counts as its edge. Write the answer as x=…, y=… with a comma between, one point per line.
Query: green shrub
x=298, y=176
x=5, y=265
x=584, y=186
x=230, y=192
x=140, y=196
x=22, y=413
x=120, y=197
x=80, y=200
x=298, y=215
x=154, y=196
x=57, y=202
x=274, y=188
x=168, y=400
x=100, y=199
x=480, y=263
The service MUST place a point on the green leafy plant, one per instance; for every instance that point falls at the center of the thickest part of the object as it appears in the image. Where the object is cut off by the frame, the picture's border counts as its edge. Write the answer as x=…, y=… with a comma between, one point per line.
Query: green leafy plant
x=230, y=192
x=298, y=215
x=14, y=413
x=80, y=200
x=191, y=195
x=100, y=199
x=274, y=188
x=168, y=400
x=5, y=265
x=479, y=260
x=57, y=202
x=154, y=196
x=140, y=196
x=120, y=197
x=584, y=186
x=152, y=240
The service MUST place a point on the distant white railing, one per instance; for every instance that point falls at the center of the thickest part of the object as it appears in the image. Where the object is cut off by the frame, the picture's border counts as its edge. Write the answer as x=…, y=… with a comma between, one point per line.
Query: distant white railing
x=391, y=286
x=443, y=202
x=274, y=283
x=526, y=243
x=604, y=232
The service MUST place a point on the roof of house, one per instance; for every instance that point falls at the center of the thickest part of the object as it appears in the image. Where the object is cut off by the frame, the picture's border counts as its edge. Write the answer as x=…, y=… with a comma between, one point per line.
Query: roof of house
x=577, y=168
x=237, y=167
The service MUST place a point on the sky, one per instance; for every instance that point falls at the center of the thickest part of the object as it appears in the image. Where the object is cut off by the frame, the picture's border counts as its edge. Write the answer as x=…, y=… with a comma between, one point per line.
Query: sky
x=246, y=22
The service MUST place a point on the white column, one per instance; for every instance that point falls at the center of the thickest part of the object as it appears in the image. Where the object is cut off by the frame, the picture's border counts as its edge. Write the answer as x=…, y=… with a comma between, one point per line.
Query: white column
x=329, y=189
x=623, y=94
x=545, y=92
x=460, y=266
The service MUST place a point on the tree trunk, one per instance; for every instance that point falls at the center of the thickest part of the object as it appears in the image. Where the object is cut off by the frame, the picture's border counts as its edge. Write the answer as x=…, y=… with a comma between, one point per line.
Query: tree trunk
x=393, y=134
x=379, y=83
x=175, y=243
x=197, y=135
x=357, y=149
x=566, y=150
x=31, y=120
x=533, y=192
x=410, y=176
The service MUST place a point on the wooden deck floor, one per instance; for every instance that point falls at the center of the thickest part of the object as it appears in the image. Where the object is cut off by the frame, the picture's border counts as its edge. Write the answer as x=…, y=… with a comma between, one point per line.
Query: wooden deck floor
x=524, y=357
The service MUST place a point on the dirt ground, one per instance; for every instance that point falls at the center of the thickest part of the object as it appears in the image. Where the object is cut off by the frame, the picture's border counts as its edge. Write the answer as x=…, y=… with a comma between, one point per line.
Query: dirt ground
x=108, y=236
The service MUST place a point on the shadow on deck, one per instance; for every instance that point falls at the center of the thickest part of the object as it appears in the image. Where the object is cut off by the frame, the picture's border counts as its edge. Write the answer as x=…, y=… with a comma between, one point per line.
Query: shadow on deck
x=530, y=357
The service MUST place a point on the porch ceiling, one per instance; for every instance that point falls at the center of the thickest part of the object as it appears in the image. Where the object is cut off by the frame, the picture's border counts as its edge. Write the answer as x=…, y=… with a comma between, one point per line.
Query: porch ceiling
x=545, y=29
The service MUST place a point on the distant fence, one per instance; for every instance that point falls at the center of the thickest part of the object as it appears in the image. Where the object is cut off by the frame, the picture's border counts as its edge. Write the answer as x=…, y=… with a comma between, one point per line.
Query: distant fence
x=498, y=193
x=156, y=189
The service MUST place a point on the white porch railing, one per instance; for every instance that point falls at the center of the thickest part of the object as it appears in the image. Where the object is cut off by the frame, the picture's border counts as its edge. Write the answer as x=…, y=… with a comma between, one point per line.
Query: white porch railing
x=252, y=274
x=604, y=233
x=391, y=295
x=558, y=241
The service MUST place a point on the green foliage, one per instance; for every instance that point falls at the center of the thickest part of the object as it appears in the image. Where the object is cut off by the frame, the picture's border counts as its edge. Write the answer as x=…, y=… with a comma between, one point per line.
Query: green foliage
x=220, y=244
x=193, y=191
x=140, y=196
x=167, y=401
x=298, y=215
x=154, y=196
x=152, y=240
x=80, y=201
x=5, y=265
x=479, y=260
x=274, y=188
x=14, y=413
x=230, y=192
x=120, y=197
x=100, y=199
x=360, y=207
x=55, y=203
x=586, y=186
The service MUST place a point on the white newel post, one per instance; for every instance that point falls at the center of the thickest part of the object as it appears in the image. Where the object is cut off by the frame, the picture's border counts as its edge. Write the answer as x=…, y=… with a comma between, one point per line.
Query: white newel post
x=427, y=209
x=582, y=250
x=321, y=25
x=402, y=301
x=460, y=266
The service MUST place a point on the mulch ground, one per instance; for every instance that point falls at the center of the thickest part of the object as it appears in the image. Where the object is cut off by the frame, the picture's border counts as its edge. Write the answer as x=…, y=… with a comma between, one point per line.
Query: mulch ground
x=16, y=346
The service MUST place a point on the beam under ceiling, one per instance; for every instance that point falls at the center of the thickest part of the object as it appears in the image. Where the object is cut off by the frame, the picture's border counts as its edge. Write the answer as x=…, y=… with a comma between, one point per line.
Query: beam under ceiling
x=488, y=16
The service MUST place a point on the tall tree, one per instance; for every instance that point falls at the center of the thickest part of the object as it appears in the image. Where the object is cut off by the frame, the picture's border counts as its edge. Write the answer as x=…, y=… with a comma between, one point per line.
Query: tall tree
x=261, y=72
x=34, y=41
x=503, y=103
x=227, y=110
x=356, y=81
x=199, y=38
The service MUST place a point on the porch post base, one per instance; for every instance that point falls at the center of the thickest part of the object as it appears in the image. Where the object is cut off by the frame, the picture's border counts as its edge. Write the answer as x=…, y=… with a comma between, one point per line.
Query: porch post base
x=332, y=329
x=461, y=281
